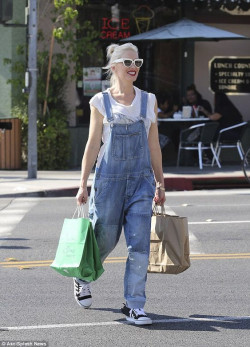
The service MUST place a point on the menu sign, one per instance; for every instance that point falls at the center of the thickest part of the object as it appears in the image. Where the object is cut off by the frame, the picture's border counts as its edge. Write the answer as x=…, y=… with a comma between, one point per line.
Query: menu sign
x=230, y=75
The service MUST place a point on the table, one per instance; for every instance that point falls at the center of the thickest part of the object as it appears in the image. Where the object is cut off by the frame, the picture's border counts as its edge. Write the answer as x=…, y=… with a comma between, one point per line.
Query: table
x=185, y=120
x=172, y=127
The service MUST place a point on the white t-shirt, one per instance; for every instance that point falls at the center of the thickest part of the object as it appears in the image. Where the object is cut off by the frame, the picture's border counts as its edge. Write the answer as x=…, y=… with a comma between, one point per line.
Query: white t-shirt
x=123, y=114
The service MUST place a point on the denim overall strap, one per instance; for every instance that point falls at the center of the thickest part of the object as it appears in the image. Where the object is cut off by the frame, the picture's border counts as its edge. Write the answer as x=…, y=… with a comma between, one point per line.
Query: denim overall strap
x=126, y=151
x=108, y=107
x=144, y=103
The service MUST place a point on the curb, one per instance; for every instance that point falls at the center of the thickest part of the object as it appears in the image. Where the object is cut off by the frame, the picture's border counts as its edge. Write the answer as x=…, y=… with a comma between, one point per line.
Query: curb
x=51, y=193
x=171, y=184
x=199, y=183
x=44, y=193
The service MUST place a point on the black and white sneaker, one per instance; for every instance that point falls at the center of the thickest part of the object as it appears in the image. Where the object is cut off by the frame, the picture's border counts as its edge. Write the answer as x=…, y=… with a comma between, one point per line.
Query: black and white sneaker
x=136, y=315
x=82, y=293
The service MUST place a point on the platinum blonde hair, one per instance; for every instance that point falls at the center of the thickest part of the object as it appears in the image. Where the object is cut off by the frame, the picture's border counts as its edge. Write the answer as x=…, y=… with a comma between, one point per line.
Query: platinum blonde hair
x=114, y=52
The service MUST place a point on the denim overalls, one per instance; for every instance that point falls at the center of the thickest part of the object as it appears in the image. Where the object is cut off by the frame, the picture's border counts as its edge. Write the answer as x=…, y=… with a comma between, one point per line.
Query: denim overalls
x=121, y=195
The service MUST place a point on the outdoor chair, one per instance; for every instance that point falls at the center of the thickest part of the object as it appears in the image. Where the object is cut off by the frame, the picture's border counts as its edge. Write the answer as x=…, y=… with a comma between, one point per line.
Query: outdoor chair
x=235, y=142
x=197, y=138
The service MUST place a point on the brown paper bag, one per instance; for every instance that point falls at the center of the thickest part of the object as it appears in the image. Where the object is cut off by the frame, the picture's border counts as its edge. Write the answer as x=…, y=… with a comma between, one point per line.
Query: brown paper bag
x=169, y=244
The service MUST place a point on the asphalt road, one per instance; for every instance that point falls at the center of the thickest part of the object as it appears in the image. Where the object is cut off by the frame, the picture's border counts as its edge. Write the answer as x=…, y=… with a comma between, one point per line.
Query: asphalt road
x=208, y=305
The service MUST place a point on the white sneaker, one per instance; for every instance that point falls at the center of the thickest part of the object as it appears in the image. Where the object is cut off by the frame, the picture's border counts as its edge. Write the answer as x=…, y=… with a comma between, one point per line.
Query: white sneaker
x=82, y=293
x=136, y=315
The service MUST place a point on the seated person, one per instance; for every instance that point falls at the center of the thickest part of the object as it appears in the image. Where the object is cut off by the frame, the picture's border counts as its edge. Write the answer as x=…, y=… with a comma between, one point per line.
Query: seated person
x=166, y=109
x=166, y=106
x=226, y=114
x=199, y=105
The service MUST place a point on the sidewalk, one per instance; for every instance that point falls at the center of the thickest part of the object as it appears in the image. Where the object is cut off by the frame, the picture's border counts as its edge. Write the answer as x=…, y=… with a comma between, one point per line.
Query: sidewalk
x=66, y=183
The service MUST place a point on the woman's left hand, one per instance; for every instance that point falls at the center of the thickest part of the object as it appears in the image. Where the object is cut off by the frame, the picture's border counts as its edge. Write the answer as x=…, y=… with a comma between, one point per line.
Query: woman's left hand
x=159, y=198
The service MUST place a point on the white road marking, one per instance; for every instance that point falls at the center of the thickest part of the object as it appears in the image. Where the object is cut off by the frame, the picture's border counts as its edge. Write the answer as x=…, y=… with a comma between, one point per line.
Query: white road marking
x=207, y=205
x=157, y=321
x=11, y=216
x=194, y=243
x=169, y=210
x=221, y=222
x=213, y=192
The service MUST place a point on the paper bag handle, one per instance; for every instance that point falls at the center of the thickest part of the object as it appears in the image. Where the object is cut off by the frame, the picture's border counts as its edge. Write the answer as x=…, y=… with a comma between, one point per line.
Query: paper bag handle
x=82, y=211
x=156, y=209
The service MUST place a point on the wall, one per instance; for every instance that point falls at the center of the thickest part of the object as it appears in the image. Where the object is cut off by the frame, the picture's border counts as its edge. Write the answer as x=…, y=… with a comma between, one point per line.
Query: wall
x=10, y=37
x=5, y=74
x=205, y=51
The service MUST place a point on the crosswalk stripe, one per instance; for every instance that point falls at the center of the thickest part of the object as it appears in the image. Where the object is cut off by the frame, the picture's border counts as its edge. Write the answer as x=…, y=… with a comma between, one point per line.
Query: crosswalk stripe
x=13, y=214
x=220, y=222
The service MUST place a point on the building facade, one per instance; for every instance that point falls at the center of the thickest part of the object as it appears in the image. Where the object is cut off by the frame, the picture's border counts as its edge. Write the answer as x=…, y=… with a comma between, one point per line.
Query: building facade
x=163, y=60
x=11, y=38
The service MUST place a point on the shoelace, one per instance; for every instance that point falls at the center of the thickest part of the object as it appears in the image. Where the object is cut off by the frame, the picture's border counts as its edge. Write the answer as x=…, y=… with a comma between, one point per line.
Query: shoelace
x=138, y=311
x=84, y=289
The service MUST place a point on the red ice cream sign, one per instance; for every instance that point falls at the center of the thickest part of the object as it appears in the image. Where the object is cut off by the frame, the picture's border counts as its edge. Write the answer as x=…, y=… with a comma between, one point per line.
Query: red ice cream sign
x=115, y=28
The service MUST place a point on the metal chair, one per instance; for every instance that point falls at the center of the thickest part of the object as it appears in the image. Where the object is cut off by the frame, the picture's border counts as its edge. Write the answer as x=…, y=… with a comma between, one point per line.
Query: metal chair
x=205, y=139
x=234, y=142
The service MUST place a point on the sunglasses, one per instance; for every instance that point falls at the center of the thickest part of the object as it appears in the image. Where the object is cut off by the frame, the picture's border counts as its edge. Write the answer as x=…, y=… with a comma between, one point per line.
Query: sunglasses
x=128, y=62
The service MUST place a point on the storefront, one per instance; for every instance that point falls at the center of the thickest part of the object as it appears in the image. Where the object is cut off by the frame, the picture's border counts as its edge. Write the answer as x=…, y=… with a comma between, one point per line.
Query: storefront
x=162, y=69
x=163, y=60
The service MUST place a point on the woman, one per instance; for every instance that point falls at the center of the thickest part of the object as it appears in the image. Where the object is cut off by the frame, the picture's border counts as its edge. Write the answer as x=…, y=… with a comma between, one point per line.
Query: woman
x=128, y=164
x=200, y=106
x=166, y=106
x=166, y=109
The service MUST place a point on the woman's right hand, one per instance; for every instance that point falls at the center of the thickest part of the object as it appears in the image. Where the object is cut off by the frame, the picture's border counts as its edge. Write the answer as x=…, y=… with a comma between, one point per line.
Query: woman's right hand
x=82, y=196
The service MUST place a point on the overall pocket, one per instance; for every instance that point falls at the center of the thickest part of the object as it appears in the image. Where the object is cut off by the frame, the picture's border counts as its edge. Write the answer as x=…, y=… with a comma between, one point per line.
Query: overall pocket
x=101, y=187
x=151, y=181
x=127, y=146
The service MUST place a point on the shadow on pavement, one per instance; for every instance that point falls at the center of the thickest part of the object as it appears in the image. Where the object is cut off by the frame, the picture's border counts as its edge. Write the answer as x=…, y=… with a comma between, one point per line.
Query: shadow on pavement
x=12, y=239
x=14, y=247
x=192, y=323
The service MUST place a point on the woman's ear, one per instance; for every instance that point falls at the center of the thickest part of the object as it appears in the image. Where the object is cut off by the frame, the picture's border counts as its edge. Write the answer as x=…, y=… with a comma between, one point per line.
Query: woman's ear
x=113, y=68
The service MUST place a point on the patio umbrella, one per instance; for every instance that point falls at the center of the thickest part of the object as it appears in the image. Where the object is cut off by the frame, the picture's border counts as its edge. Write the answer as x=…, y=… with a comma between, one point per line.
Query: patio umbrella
x=186, y=29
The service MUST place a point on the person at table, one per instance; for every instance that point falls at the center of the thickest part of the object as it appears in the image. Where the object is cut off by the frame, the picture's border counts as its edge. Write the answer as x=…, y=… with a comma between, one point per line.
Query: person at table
x=226, y=114
x=166, y=106
x=166, y=109
x=200, y=106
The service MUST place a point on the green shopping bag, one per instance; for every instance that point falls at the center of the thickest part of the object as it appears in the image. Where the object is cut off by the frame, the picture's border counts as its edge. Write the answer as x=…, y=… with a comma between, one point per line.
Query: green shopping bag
x=77, y=254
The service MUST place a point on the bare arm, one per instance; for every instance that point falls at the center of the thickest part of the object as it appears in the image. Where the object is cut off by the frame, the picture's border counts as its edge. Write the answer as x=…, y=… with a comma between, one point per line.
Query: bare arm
x=156, y=160
x=215, y=116
x=91, y=151
x=165, y=115
x=169, y=114
x=206, y=112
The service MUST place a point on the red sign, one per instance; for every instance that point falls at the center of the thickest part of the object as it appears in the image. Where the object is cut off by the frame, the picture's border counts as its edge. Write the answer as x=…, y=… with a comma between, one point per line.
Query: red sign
x=115, y=28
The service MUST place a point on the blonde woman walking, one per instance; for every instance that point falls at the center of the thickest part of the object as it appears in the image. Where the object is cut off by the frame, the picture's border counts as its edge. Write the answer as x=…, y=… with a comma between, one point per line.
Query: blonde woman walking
x=128, y=175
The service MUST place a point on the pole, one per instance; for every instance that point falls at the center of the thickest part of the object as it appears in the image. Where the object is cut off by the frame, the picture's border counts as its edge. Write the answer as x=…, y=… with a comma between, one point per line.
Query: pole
x=32, y=103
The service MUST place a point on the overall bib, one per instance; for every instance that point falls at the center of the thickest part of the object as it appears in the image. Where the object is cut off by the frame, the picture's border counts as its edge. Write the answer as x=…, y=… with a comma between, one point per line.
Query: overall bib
x=121, y=196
